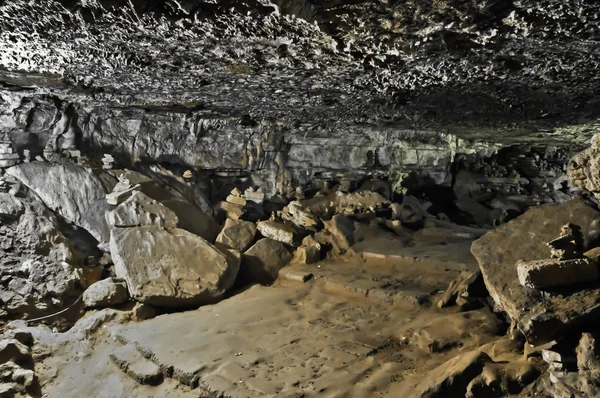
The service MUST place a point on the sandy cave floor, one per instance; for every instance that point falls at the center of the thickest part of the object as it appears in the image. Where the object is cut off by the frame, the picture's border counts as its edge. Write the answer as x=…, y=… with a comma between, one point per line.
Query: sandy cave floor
x=347, y=332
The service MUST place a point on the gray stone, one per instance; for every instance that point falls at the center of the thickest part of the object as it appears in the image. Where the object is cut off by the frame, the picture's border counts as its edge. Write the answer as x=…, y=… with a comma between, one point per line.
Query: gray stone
x=72, y=191
x=10, y=206
x=106, y=293
x=262, y=262
x=588, y=359
x=191, y=218
x=171, y=268
x=142, y=370
x=540, y=319
x=237, y=234
x=12, y=350
x=544, y=274
x=140, y=210
x=281, y=232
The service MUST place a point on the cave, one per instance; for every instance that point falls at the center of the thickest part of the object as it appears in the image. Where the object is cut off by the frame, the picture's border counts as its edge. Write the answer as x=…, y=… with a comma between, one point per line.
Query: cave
x=300, y=198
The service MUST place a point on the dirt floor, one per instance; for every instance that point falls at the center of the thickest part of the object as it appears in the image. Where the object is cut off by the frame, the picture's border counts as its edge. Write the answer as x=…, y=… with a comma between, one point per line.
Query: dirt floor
x=364, y=327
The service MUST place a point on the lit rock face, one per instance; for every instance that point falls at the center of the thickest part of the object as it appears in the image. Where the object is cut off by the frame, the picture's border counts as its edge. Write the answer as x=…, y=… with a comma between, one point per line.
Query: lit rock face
x=584, y=168
x=245, y=85
x=75, y=193
x=171, y=268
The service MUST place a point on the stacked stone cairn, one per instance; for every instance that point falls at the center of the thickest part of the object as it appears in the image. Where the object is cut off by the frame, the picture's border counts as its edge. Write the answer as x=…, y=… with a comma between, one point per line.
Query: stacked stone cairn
x=8, y=156
x=566, y=266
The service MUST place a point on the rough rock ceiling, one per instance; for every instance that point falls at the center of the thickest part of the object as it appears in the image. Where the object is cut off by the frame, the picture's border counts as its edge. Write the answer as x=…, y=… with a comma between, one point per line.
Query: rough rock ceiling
x=479, y=63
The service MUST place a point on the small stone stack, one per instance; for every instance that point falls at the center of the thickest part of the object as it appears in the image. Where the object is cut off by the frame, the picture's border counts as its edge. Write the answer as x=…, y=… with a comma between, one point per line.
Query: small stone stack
x=256, y=196
x=121, y=191
x=8, y=156
x=568, y=245
x=234, y=204
x=4, y=187
x=108, y=161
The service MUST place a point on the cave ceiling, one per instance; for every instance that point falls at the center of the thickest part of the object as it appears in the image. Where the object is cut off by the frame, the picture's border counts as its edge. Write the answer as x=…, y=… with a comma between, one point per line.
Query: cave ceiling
x=525, y=69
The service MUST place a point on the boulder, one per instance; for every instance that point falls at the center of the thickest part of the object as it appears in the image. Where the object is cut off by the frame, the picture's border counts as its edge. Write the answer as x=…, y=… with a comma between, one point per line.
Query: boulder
x=171, y=268
x=587, y=355
x=140, y=210
x=281, y=232
x=499, y=380
x=541, y=317
x=341, y=229
x=309, y=252
x=237, y=234
x=106, y=293
x=191, y=218
x=262, y=262
x=452, y=377
x=70, y=190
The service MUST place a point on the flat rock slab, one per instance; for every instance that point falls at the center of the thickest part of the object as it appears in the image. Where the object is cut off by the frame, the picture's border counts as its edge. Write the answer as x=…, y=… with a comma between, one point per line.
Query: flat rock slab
x=130, y=361
x=540, y=316
x=544, y=274
x=271, y=341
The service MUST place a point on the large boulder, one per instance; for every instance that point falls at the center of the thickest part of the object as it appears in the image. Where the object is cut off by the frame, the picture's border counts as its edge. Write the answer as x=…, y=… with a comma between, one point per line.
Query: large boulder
x=281, y=232
x=191, y=218
x=70, y=190
x=262, y=262
x=237, y=234
x=140, y=210
x=171, y=268
x=541, y=316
